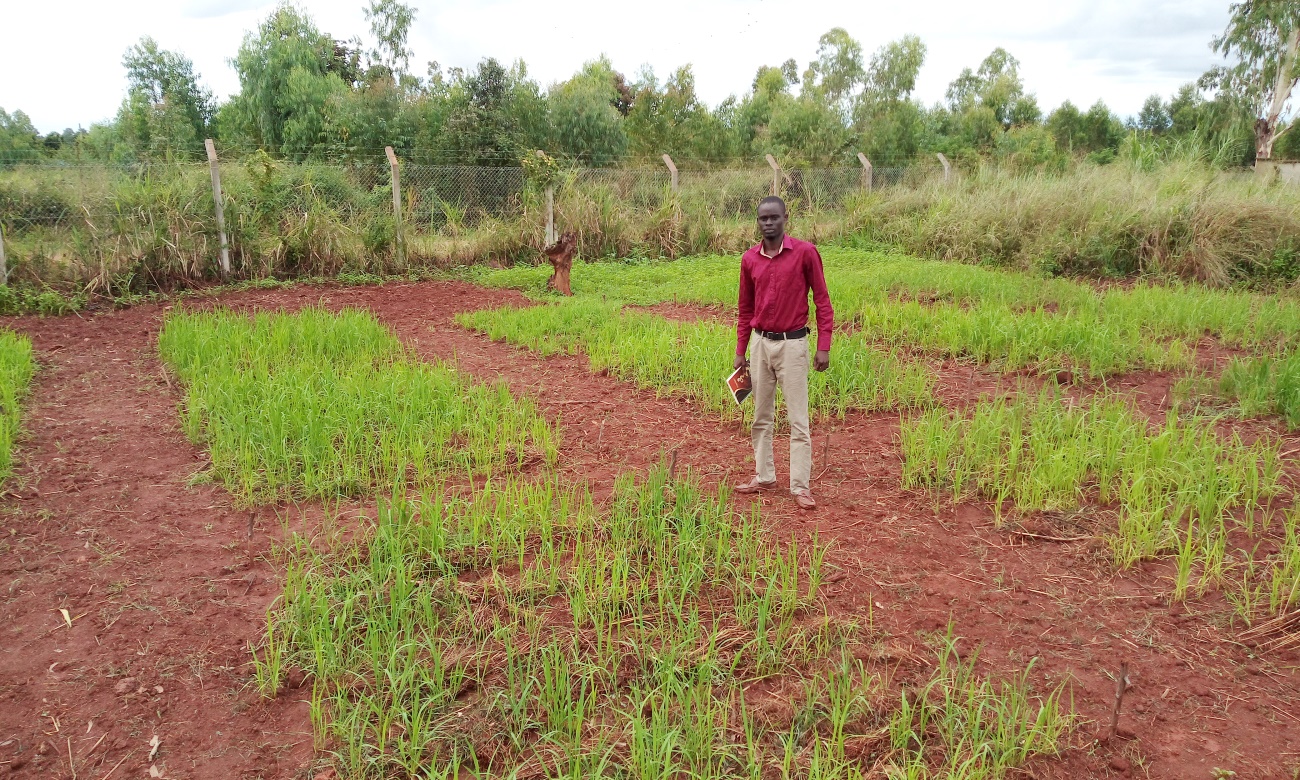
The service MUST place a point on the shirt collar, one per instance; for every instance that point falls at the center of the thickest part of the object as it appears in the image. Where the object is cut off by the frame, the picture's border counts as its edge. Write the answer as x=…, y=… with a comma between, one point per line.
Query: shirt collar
x=785, y=244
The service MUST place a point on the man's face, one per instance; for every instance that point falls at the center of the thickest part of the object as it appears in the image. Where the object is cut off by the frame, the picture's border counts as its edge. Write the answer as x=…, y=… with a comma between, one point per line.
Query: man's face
x=771, y=220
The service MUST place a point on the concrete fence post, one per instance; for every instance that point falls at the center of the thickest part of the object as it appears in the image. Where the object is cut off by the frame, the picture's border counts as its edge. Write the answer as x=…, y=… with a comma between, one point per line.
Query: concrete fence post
x=550, y=207
x=947, y=167
x=399, y=242
x=672, y=171
x=776, y=174
x=219, y=207
x=866, y=171
x=550, y=214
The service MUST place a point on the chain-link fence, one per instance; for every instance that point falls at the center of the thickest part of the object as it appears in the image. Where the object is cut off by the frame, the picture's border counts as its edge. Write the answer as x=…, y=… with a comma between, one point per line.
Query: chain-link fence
x=283, y=216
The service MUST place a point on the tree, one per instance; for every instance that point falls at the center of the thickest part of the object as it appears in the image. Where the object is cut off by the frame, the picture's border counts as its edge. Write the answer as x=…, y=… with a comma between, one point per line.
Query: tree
x=807, y=130
x=1263, y=36
x=1154, y=116
x=165, y=109
x=1185, y=109
x=891, y=77
x=494, y=115
x=390, y=24
x=288, y=73
x=673, y=120
x=19, y=139
x=889, y=122
x=838, y=69
x=995, y=85
x=749, y=120
x=585, y=120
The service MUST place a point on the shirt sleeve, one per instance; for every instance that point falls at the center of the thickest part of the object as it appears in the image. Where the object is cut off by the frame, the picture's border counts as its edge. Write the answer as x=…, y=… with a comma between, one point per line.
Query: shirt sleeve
x=821, y=298
x=744, y=308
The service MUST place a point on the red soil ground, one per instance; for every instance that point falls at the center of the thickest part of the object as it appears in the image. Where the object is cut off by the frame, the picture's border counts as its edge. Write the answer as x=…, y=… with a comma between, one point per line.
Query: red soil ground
x=167, y=584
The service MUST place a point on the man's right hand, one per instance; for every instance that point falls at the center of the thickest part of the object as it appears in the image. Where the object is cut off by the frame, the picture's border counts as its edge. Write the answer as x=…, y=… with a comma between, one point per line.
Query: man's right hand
x=739, y=362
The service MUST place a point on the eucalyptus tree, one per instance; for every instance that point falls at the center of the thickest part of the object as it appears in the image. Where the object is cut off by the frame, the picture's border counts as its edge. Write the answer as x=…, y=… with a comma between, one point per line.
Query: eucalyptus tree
x=1263, y=37
x=165, y=110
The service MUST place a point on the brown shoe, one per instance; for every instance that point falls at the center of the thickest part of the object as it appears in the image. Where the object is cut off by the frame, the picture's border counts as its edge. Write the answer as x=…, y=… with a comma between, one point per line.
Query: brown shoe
x=753, y=486
x=804, y=499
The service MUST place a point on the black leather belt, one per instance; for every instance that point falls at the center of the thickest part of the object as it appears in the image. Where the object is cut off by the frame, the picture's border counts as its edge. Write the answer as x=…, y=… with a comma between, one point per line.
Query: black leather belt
x=778, y=336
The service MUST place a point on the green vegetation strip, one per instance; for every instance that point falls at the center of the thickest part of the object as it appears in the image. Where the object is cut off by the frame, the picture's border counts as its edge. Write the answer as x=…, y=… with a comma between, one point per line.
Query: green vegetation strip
x=1012, y=319
x=693, y=358
x=520, y=632
x=1264, y=385
x=316, y=404
x=1180, y=488
x=16, y=369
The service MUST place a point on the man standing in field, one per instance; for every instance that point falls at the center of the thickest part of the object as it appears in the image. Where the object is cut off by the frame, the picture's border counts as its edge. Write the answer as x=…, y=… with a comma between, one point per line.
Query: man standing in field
x=775, y=278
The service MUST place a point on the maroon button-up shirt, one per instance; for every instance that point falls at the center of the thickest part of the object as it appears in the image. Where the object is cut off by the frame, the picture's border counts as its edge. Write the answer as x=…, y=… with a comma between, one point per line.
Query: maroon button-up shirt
x=774, y=292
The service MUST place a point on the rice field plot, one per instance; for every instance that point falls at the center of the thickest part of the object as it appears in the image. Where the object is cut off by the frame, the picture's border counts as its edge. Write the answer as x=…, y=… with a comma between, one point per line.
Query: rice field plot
x=1258, y=386
x=1179, y=490
x=319, y=405
x=692, y=358
x=17, y=367
x=521, y=631
x=1010, y=319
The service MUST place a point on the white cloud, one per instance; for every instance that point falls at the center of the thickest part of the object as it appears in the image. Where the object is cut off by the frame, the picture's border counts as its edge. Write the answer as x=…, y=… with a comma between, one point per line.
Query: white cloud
x=69, y=73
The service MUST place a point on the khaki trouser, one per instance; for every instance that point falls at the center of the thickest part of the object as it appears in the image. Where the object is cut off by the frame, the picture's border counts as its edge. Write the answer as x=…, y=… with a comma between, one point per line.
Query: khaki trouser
x=785, y=362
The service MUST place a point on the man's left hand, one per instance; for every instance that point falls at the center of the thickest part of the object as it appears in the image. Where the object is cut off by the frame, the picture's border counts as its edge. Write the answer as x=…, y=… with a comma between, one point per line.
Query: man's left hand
x=822, y=360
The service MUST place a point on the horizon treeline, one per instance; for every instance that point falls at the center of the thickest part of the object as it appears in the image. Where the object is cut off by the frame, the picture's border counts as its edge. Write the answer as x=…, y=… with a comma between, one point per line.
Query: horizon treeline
x=305, y=94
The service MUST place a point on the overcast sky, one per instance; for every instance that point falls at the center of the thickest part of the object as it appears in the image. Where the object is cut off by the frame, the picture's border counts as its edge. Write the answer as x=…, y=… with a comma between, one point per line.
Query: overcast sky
x=62, y=64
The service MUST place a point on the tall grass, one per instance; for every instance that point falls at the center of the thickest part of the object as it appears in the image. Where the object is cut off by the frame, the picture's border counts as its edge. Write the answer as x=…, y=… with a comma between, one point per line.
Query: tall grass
x=16, y=369
x=316, y=404
x=1185, y=219
x=153, y=226
x=1180, y=489
x=519, y=631
x=692, y=359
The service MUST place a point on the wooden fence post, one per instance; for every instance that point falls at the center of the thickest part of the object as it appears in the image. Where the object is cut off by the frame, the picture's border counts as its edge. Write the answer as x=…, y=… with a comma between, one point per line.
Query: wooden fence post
x=4, y=264
x=776, y=174
x=672, y=170
x=219, y=207
x=947, y=167
x=399, y=243
x=866, y=171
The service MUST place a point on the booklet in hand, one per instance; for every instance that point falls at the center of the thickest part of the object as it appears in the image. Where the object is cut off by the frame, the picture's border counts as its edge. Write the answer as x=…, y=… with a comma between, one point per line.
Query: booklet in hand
x=738, y=384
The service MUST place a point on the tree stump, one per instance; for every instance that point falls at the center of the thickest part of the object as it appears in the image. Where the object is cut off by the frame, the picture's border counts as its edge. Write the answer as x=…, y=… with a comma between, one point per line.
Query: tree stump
x=560, y=254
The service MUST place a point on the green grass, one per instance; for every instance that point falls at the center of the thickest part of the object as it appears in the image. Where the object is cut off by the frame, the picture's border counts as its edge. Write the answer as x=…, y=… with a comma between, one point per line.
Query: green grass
x=16, y=369
x=316, y=404
x=1270, y=585
x=518, y=631
x=692, y=359
x=1180, y=489
x=1264, y=385
x=998, y=335
x=1011, y=319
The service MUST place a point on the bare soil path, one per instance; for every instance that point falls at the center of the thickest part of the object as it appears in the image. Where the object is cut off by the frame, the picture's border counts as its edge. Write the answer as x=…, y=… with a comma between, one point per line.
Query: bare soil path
x=165, y=587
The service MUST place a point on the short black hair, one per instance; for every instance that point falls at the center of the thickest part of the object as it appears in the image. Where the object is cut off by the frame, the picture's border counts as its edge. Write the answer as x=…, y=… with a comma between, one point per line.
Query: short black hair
x=774, y=199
